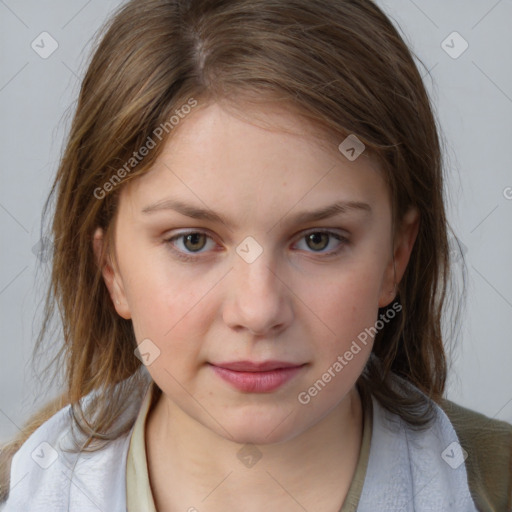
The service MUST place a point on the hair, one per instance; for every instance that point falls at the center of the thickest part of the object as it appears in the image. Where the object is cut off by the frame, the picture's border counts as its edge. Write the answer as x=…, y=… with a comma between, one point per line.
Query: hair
x=342, y=66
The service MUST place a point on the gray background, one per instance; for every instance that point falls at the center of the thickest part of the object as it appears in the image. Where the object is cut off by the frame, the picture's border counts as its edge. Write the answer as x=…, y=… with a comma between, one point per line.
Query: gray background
x=472, y=96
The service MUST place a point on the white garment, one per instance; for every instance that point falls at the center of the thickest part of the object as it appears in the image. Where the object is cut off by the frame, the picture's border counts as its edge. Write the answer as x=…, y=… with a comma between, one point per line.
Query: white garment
x=420, y=471
x=82, y=482
x=414, y=471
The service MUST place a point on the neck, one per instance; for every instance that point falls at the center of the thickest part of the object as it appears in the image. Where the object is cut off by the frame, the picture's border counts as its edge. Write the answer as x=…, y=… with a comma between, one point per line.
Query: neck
x=192, y=466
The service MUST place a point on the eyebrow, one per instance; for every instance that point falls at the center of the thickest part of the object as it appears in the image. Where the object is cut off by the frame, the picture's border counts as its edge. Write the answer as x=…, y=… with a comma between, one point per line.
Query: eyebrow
x=338, y=208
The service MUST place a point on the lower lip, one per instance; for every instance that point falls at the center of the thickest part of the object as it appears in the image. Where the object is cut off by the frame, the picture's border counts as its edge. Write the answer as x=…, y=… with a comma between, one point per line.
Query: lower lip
x=257, y=382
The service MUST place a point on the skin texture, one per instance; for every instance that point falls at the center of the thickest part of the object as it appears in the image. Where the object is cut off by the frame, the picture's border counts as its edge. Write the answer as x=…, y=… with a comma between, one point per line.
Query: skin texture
x=293, y=303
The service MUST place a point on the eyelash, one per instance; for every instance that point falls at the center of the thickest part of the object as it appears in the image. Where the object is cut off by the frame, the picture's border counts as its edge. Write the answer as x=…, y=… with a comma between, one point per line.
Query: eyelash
x=188, y=257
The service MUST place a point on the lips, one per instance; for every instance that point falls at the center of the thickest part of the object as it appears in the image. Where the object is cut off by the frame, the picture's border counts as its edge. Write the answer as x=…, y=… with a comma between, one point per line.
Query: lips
x=257, y=377
x=251, y=366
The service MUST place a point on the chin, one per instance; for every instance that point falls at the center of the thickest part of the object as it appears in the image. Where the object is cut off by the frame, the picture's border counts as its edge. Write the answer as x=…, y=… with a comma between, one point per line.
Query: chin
x=255, y=429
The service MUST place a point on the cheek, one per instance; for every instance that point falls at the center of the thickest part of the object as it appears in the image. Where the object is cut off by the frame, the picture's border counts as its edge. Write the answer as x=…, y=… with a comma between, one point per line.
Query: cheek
x=173, y=318
x=349, y=301
x=156, y=293
x=171, y=308
x=349, y=307
x=170, y=312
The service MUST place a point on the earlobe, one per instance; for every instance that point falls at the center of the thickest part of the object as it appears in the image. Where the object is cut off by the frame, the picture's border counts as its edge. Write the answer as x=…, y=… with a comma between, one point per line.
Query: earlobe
x=403, y=244
x=110, y=274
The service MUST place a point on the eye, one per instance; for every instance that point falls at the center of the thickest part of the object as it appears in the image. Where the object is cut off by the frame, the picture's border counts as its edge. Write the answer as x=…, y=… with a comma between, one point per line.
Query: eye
x=319, y=240
x=189, y=243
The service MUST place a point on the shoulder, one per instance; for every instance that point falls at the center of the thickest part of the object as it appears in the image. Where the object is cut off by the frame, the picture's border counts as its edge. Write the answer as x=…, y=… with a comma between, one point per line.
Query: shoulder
x=29, y=467
x=50, y=473
x=488, y=444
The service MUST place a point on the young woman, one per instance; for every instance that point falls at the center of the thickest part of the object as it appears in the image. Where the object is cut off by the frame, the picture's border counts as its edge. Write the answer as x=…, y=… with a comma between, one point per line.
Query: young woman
x=251, y=266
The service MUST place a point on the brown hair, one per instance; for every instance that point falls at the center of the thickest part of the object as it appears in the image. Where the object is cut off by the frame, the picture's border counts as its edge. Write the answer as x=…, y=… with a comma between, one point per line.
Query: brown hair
x=343, y=67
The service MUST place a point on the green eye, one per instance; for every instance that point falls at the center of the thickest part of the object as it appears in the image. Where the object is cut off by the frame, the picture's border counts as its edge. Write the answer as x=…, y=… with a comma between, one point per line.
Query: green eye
x=193, y=242
x=318, y=241
x=189, y=245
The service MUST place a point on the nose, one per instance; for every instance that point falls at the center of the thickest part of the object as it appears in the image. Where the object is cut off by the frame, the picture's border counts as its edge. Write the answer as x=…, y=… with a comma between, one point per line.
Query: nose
x=258, y=300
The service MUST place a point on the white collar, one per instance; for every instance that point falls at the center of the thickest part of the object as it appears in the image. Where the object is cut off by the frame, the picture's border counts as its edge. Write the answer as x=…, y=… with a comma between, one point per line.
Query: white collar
x=407, y=470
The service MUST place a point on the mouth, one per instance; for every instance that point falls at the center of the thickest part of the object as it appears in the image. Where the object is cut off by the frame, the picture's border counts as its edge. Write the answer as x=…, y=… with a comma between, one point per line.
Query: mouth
x=257, y=377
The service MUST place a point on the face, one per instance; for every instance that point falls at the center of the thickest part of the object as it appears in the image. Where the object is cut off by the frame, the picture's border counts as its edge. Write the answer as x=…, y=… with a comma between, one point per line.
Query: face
x=241, y=296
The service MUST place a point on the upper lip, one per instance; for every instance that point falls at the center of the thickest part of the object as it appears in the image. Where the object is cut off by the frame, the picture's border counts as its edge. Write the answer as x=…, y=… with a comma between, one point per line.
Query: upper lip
x=252, y=366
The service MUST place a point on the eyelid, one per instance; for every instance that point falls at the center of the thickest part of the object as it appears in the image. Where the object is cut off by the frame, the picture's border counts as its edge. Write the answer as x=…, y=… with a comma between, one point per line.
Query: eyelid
x=194, y=256
x=342, y=239
x=186, y=255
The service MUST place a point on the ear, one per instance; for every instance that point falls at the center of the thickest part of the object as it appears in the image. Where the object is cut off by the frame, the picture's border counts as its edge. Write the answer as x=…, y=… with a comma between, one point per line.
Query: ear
x=402, y=247
x=111, y=274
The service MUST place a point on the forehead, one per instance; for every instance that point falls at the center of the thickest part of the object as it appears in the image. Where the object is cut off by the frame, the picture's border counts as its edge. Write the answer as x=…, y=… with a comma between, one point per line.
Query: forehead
x=266, y=153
